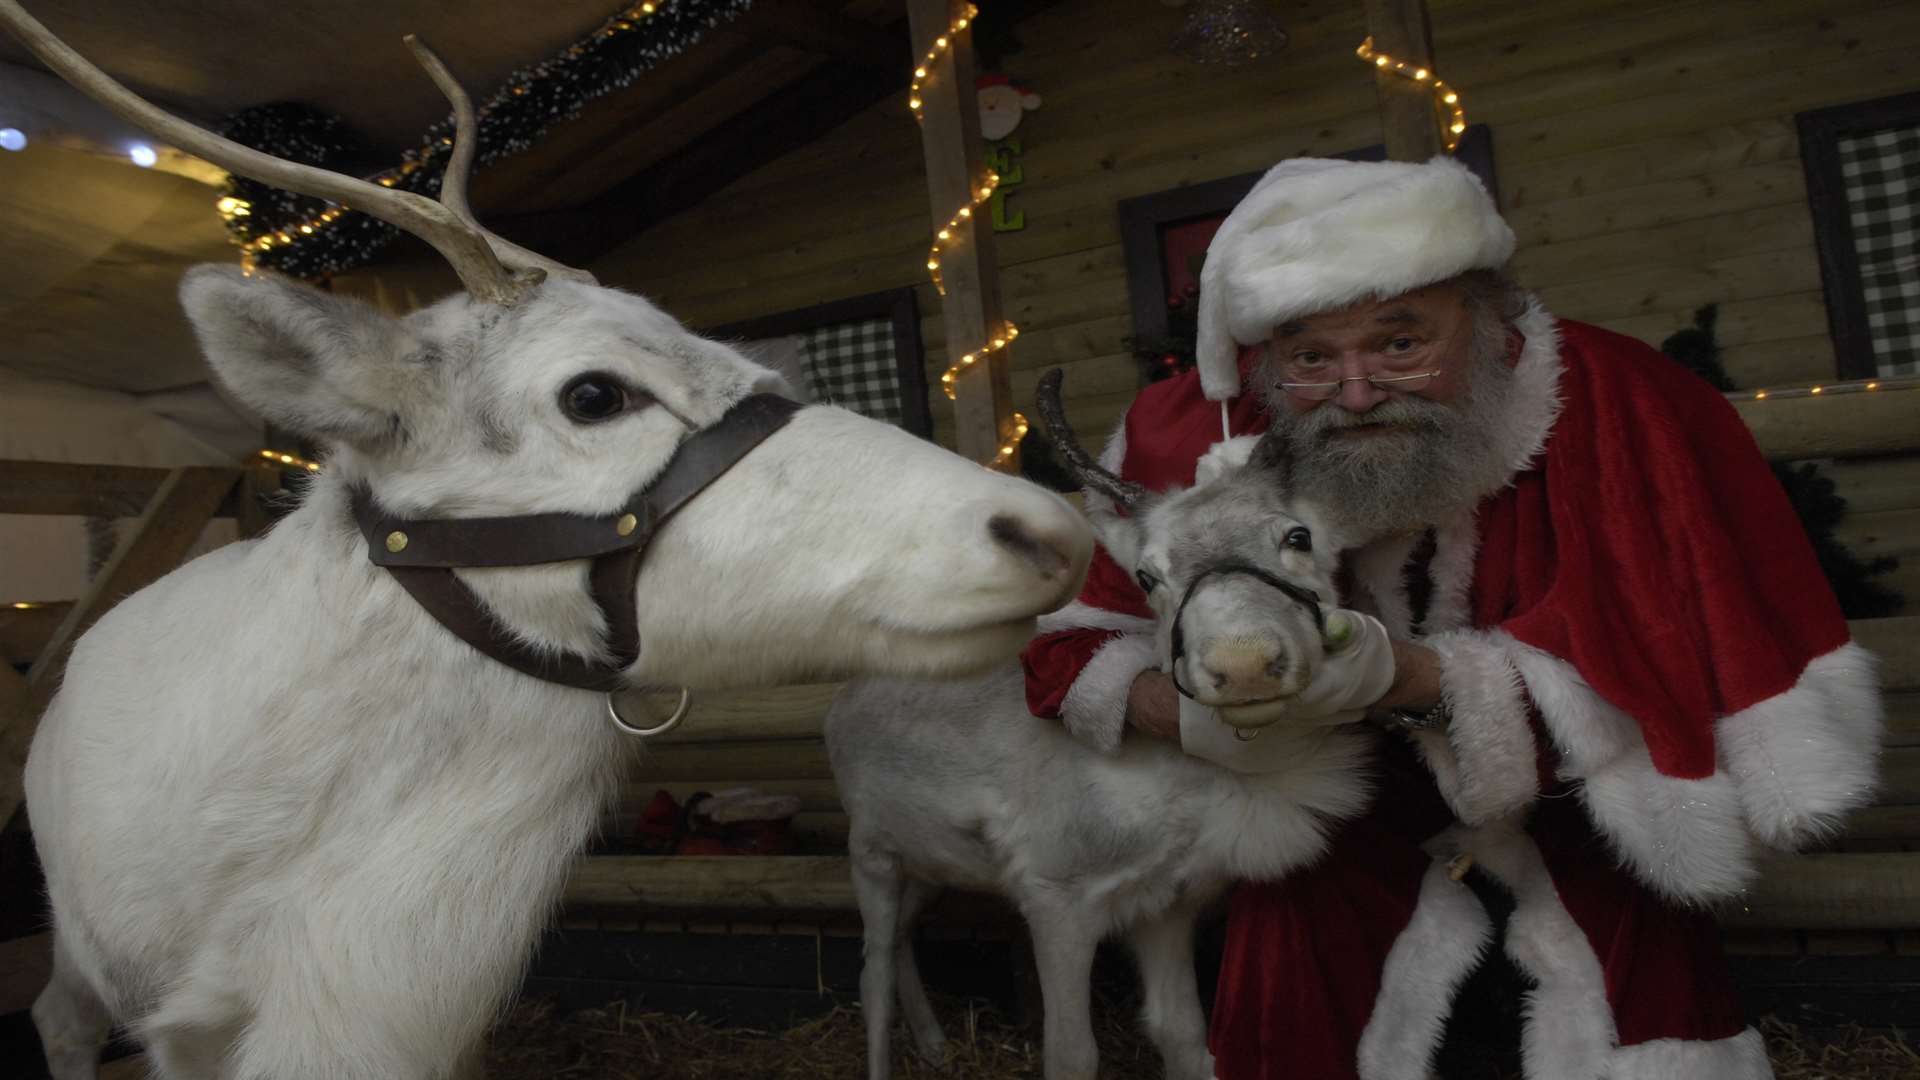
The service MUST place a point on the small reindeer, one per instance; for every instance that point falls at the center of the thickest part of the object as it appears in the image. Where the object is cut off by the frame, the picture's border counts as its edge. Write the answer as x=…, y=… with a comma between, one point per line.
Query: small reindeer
x=956, y=784
x=304, y=803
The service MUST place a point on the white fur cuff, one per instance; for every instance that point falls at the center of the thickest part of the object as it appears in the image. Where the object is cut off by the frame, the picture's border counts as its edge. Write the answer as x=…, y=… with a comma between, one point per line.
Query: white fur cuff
x=1095, y=708
x=1487, y=763
x=1737, y=1057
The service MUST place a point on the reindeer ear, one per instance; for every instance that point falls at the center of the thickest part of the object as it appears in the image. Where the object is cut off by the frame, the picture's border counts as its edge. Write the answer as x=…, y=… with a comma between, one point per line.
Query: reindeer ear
x=324, y=366
x=1273, y=455
x=1121, y=534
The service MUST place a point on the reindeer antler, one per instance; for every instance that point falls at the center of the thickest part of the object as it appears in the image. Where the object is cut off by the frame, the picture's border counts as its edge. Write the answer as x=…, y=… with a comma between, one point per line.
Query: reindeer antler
x=484, y=262
x=1083, y=467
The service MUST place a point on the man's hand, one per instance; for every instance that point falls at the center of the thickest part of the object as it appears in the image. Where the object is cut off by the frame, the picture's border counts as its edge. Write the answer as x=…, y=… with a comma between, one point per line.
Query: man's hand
x=1416, y=678
x=1153, y=705
x=1360, y=668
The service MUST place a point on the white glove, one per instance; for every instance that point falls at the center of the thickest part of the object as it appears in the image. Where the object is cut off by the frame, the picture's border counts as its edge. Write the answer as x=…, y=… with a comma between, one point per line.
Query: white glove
x=1204, y=736
x=1357, y=671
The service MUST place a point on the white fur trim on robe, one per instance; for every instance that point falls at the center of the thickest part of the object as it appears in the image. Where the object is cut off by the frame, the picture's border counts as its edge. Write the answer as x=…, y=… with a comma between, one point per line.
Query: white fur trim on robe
x=1569, y=1031
x=1736, y=1057
x=1441, y=945
x=1095, y=708
x=1485, y=761
x=1791, y=767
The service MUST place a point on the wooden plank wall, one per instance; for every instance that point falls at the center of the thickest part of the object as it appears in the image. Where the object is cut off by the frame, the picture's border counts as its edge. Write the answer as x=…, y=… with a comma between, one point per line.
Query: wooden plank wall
x=1646, y=155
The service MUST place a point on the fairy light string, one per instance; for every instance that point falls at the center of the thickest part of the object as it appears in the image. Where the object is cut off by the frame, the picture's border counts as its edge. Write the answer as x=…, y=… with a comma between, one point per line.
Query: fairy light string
x=940, y=45
x=1446, y=100
x=281, y=457
x=996, y=341
x=634, y=40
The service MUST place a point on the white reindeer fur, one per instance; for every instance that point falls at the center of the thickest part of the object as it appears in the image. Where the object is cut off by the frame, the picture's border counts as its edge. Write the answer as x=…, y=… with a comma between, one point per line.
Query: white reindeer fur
x=956, y=784
x=293, y=828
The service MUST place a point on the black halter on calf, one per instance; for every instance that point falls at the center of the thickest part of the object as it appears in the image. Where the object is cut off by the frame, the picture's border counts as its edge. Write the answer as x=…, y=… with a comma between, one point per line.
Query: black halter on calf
x=1307, y=598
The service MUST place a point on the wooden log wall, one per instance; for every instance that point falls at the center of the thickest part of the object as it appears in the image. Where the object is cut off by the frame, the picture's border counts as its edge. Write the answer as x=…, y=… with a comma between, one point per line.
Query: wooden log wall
x=1645, y=150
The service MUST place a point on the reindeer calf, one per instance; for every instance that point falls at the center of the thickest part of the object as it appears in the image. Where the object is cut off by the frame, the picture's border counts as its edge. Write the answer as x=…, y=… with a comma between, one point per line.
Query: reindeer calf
x=957, y=784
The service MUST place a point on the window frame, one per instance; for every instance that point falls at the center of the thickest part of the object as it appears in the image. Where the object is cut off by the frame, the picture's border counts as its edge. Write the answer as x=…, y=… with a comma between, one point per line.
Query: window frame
x=899, y=307
x=1820, y=133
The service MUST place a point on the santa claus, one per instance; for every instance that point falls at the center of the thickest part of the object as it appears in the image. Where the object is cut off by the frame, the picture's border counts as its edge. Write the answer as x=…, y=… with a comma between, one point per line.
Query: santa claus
x=1609, y=671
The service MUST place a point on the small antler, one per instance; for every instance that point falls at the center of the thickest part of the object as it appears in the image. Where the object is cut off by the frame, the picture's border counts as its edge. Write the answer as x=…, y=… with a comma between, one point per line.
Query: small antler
x=483, y=261
x=1083, y=467
x=453, y=183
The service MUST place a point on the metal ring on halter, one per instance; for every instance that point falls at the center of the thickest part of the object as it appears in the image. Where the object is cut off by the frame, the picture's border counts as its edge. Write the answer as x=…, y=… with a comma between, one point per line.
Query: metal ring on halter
x=679, y=713
x=1247, y=734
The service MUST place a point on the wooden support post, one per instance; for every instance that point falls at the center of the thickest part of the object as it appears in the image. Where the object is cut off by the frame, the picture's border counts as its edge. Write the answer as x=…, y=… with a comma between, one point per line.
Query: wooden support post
x=173, y=519
x=1400, y=29
x=956, y=167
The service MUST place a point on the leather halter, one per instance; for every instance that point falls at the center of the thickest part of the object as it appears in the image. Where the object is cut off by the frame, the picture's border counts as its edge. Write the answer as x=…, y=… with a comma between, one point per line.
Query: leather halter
x=422, y=554
x=1305, y=597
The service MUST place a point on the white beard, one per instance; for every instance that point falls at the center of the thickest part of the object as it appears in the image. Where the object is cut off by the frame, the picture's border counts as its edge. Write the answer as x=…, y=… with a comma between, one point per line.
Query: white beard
x=1445, y=458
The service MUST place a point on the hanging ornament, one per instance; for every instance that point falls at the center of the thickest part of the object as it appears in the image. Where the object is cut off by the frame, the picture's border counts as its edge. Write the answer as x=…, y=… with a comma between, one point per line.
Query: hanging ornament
x=1002, y=103
x=1229, y=32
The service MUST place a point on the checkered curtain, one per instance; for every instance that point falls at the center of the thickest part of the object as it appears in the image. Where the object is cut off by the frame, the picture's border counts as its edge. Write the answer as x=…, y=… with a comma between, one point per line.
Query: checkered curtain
x=852, y=365
x=1882, y=174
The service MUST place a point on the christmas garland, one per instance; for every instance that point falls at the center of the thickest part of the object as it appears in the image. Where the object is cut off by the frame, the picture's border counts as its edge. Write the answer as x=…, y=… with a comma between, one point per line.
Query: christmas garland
x=310, y=238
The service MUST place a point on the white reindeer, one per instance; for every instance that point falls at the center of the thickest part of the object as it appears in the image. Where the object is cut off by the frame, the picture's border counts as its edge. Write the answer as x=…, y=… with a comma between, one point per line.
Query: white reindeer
x=293, y=827
x=957, y=785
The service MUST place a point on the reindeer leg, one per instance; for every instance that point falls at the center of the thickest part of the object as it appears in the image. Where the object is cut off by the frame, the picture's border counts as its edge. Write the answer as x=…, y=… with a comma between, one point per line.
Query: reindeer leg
x=1063, y=945
x=928, y=1039
x=878, y=885
x=1171, y=1014
x=71, y=1019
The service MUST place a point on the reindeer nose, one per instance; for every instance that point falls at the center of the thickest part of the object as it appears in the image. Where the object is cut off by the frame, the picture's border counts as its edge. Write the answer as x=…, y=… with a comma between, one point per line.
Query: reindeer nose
x=1050, y=551
x=1245, y=669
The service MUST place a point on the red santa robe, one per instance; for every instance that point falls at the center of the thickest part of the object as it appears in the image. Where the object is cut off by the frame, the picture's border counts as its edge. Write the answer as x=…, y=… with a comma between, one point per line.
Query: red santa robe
x=1651, y=684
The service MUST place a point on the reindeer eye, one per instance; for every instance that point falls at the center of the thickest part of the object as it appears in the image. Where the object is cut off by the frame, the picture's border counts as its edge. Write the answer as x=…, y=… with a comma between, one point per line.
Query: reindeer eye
x=1299, y=539
x=1147, y=581
x=593, y=396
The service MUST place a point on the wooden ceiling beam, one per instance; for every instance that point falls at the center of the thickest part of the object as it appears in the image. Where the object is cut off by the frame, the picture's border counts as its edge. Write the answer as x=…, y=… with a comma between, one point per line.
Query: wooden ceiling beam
x=811, y=26
x=790, y=119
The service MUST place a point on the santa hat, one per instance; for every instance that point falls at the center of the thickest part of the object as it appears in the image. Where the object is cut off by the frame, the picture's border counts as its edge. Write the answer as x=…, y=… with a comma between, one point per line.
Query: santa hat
x=1318, y=234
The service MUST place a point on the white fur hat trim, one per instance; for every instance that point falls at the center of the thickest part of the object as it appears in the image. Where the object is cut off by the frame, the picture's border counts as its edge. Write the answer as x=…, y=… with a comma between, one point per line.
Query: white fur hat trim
x=1318, y=234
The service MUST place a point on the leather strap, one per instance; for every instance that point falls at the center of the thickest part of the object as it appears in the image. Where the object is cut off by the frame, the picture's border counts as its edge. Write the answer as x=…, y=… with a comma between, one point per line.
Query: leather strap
x=1303, y=596
x=421, y=554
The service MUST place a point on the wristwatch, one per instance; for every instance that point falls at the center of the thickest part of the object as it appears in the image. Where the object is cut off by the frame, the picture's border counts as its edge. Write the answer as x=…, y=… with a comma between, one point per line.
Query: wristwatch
x=1438, y=716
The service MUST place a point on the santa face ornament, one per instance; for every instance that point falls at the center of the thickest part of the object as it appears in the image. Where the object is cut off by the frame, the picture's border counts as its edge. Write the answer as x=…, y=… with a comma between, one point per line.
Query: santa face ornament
x=1002, y=103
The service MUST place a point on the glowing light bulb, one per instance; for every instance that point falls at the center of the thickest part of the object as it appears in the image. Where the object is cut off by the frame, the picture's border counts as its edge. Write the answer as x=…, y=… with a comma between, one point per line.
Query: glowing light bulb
x=12, y=139
x=142, y=155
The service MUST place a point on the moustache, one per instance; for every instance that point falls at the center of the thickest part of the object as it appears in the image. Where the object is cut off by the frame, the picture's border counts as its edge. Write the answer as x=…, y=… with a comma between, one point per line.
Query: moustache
x=1415, y=415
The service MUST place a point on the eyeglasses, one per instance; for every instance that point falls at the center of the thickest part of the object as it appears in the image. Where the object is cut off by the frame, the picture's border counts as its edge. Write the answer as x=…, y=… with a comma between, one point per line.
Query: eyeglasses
x=1325, y=391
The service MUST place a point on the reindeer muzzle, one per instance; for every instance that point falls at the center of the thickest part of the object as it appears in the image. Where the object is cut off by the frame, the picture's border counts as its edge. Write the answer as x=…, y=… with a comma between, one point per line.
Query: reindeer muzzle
x=1303, y=596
